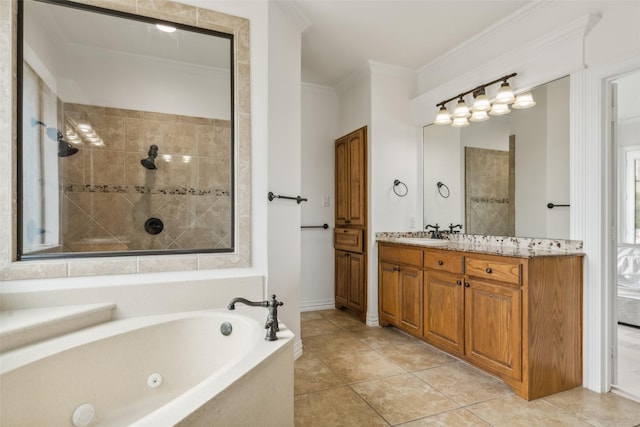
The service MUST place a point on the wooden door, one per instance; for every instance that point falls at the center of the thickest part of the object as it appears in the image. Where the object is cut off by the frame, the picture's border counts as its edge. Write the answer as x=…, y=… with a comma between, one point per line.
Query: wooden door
x=388, y=292
x=493, y=327
x=357, y=178
x=410, y=284
x=444, y=310
x=342, y=265
x=342, y=181
x=357, y=269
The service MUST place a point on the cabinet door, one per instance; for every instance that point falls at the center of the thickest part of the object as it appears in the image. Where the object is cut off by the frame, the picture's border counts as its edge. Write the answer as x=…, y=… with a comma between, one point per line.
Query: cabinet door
x=342, y=278
x=388, y=292
x=357, y=269
x=444, y=311
x=493, y=327
x=342, y=181
x=357, y=178
x=410, y=299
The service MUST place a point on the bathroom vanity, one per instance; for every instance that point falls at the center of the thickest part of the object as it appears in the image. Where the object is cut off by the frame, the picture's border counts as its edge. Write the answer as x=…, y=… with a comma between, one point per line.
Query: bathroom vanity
x=514, y=312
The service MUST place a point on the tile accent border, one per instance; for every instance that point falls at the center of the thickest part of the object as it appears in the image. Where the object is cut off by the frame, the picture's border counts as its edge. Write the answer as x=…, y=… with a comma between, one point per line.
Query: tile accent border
x=10, y=269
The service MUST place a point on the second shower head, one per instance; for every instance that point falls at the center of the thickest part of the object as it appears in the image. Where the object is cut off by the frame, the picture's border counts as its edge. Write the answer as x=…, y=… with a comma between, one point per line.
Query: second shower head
x=150, y=161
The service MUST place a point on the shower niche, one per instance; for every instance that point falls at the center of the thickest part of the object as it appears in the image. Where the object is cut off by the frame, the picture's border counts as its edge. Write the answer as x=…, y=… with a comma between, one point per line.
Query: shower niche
x=123, y=118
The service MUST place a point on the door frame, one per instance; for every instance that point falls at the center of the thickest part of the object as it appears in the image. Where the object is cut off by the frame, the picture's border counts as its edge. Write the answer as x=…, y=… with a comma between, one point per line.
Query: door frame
x=592, y=198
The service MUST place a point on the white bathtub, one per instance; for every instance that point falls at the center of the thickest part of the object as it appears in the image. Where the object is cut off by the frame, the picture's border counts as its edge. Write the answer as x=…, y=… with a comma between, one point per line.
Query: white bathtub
x=205, y=378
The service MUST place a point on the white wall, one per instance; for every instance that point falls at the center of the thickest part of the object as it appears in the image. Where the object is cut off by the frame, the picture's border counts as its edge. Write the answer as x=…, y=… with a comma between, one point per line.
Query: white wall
x=319, y=131
x=284, y=166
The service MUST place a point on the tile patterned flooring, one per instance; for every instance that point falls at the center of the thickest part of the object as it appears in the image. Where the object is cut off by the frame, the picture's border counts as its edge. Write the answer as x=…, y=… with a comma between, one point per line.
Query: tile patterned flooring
x=353, y=375
x=629, y=359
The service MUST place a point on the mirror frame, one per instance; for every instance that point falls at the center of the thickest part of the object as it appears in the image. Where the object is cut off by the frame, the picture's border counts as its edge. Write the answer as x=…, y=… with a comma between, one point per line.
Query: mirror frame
x=123, y=263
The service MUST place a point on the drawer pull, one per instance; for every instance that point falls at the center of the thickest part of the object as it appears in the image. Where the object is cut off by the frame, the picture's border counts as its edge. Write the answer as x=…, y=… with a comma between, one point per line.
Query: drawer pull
x=488, y=270
x=440, y=262
x=467, y=285
x=458, y=282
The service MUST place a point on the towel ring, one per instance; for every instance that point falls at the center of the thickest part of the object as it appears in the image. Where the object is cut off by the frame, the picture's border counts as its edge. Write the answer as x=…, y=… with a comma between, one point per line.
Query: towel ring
x=398, y=182
x=440, y=185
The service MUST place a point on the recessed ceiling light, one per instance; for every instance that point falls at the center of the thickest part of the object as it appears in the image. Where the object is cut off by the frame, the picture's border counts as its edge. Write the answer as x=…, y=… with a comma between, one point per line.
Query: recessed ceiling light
x=166, y=28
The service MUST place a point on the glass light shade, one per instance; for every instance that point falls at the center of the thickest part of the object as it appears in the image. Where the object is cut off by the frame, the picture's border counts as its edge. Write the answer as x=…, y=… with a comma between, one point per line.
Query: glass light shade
x=461, y=110
x=479, y=116
x=443, y=117
x=505, y=95
x=481, y=103
x=524, y=100
x=460, y=122
x=499, y=109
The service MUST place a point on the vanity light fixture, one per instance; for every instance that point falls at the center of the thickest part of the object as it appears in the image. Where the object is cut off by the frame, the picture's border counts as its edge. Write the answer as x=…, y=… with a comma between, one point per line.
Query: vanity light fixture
x=482, y=106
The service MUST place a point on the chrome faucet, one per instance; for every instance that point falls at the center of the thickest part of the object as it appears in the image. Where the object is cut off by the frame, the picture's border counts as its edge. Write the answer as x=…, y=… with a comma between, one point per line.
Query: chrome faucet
x=271, y=324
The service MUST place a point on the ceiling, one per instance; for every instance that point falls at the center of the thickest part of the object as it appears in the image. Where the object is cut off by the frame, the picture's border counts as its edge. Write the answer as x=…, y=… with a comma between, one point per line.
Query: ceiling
x=343, y=34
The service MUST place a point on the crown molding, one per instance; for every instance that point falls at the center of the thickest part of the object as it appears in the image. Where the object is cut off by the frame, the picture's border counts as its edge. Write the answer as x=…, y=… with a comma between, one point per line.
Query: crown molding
x=506, y=24
x=319, y=89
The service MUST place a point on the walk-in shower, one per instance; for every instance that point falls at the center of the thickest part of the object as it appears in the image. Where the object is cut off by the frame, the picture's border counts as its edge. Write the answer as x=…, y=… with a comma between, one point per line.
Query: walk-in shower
x=150, y=161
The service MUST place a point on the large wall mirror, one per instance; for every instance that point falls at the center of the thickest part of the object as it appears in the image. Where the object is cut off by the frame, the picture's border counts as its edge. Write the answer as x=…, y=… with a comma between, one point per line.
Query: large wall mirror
x=126, y=134
x=501, y=177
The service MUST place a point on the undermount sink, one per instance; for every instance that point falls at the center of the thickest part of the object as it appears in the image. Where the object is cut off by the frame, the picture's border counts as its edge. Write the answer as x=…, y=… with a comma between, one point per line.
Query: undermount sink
x=422, y=241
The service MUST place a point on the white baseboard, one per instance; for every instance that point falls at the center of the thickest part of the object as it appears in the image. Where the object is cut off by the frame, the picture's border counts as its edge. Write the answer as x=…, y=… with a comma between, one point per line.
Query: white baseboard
x=373, y=320
x=297, y=349
x=323, y=304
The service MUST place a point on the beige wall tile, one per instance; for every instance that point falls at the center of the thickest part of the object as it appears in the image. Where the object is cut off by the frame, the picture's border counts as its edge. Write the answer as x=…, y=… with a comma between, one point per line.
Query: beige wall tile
x=167, y=263
x=168, y=10
x=95, y=267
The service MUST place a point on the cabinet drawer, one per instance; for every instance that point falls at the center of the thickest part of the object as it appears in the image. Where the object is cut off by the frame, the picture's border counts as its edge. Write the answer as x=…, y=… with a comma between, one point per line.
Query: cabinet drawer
x=444, y=261
x=400, y=255
x=504, y=270
x=348, y=239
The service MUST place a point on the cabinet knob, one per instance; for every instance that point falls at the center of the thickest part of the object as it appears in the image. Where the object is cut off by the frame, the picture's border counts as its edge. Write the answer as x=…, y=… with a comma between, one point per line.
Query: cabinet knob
x=467, y=285
x=347, y=221
x=347, y=254
x=458, y=282
x=488, y=270
x=440, y=262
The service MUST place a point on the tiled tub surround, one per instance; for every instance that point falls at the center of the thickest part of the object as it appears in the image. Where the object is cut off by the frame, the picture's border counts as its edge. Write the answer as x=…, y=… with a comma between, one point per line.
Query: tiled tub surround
x=107, y=195
x=493, y=245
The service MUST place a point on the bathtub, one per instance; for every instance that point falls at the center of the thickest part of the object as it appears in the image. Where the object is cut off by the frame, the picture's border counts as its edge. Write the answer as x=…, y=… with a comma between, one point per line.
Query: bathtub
x=176, y=369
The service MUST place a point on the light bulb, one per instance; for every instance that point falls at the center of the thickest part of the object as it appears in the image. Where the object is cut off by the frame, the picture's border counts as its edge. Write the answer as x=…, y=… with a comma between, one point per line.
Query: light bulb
x=524, y=100
x=461, y=110
x=504, y=95
x=443, y=117
x=166, y=28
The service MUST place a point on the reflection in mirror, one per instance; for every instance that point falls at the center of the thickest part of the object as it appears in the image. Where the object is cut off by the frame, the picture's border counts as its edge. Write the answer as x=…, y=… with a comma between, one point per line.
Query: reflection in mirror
x=124, y=124
x=502, y=173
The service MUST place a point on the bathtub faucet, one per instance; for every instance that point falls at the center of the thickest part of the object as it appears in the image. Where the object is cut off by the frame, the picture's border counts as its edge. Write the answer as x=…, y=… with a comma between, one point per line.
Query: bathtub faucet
x=271, y=324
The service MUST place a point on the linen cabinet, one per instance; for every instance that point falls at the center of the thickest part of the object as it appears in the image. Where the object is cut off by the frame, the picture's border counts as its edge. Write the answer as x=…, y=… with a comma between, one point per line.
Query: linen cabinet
x=350, y=234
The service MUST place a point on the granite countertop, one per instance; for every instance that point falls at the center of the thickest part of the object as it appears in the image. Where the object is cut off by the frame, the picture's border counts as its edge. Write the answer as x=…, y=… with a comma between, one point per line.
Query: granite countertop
x=492, y=245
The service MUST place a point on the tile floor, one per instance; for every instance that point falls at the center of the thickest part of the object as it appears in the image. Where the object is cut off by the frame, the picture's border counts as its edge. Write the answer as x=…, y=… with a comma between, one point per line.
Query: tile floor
x=629, y=359
x=353, y=375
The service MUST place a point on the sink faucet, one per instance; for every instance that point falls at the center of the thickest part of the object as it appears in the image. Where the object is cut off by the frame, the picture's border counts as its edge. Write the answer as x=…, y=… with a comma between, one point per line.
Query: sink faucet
x=452, y=228
x=271, y=324
x=435, y=233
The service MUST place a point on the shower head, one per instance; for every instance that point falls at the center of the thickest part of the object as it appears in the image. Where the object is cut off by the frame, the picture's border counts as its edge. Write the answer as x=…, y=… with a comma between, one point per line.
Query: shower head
x=64, y=148
x=150, y=162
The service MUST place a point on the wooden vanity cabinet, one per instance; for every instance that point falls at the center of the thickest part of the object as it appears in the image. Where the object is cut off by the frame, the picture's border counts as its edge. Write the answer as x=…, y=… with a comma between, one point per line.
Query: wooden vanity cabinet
x=519, y=319
x=400, y=288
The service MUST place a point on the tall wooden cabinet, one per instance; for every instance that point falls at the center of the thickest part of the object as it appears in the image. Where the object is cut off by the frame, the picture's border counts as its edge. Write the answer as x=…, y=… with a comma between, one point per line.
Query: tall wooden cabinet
x=518, y=318
x=351, y=222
